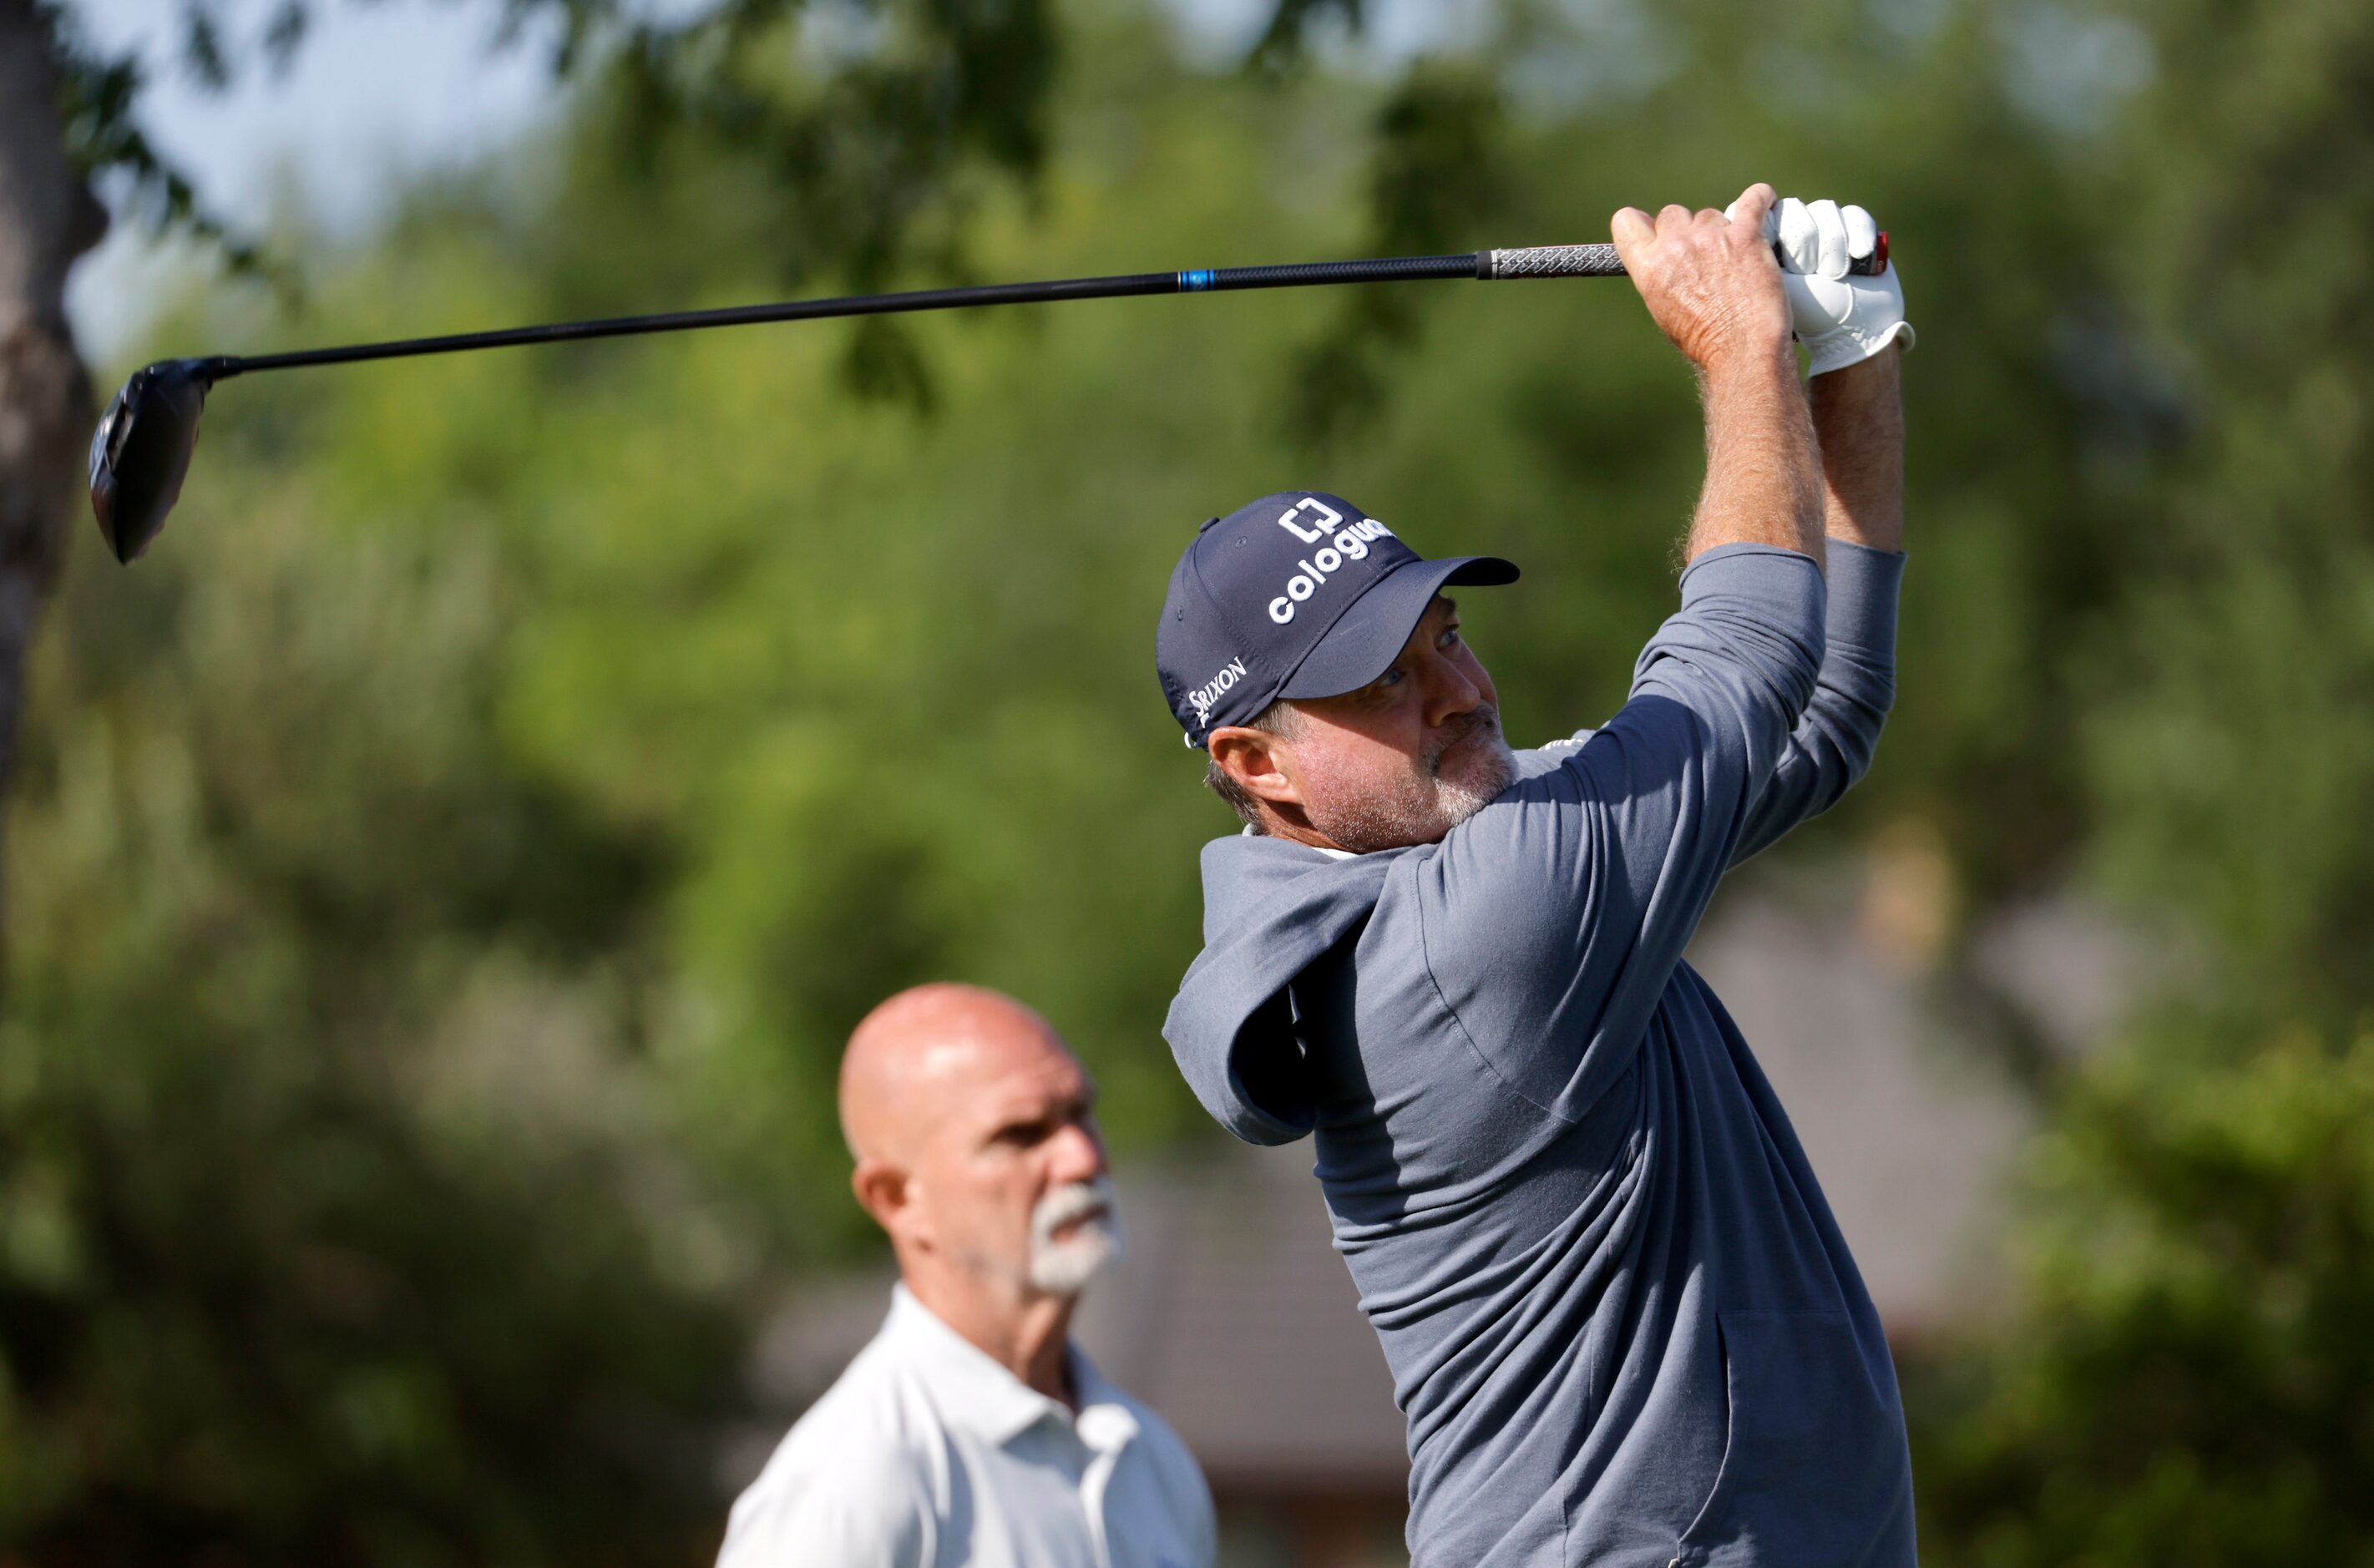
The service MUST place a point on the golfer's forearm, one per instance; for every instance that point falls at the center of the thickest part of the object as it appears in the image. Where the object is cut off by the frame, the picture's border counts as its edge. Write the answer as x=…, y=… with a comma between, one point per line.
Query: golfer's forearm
x=1859, y=419
x=1764, y=474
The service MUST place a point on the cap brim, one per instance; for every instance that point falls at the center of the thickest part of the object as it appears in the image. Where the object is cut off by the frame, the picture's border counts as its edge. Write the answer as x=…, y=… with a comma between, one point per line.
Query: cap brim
x=1370, y=634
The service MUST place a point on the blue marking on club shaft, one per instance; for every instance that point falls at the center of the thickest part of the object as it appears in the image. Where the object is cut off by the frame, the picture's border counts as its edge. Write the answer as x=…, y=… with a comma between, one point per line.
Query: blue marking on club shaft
x=1195, y=282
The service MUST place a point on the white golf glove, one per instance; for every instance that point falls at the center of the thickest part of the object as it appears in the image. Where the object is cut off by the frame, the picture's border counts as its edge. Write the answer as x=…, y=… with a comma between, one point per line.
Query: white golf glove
x=1842, y=317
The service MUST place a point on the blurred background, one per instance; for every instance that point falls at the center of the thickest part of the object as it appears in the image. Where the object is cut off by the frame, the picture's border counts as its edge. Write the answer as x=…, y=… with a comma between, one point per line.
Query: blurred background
x=441, y=877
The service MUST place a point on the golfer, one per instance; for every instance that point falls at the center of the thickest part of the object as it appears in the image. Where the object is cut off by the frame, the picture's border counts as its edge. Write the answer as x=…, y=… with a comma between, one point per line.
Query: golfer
x=971, y=1430
x=1623, y=1326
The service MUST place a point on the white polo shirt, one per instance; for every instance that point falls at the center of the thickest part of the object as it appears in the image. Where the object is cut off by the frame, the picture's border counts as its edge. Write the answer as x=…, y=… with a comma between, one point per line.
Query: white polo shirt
x=927, y=1454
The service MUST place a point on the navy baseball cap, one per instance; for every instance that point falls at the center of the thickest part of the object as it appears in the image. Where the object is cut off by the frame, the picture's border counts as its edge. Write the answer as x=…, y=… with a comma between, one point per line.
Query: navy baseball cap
x=1299, y=594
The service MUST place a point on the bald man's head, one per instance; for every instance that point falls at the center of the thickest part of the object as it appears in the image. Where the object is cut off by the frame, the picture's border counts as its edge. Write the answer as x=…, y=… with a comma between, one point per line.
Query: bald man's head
x=921, y=1052
x=975, y=1137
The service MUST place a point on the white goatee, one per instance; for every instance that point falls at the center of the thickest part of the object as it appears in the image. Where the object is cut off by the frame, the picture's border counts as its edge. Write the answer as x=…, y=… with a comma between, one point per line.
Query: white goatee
x=1064, y=1268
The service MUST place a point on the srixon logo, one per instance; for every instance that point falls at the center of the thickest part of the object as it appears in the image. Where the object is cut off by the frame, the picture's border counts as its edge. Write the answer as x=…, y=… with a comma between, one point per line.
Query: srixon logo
x=1311, y=520
x=1211, y=691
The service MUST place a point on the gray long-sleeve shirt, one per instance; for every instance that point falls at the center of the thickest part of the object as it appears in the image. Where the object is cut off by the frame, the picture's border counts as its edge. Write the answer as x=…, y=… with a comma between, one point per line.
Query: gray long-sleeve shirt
x=1622, y=1323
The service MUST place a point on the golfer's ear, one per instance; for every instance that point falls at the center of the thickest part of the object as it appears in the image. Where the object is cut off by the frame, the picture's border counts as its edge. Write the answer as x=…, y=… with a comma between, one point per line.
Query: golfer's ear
x=1250, y=756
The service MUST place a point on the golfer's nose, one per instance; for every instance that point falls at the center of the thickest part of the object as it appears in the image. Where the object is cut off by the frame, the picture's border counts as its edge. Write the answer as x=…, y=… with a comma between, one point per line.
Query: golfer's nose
x=1448, y=693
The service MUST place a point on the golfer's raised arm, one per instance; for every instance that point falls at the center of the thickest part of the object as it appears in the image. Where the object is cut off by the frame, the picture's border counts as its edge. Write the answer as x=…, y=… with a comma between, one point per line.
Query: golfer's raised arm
x=1859, y=419
x=1598, y=872
x=1712, y=285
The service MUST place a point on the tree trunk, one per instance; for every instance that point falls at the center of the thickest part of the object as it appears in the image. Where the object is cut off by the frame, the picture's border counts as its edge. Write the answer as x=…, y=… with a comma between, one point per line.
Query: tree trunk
x=47, y=217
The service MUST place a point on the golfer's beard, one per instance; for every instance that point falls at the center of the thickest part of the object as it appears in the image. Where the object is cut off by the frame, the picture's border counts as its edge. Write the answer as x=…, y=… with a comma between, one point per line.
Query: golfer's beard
x=1064, y=1268
x=1454, y=782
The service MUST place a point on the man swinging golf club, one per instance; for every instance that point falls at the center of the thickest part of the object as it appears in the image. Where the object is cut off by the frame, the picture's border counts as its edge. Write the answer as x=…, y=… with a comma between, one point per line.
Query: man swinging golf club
x=1623, y=1326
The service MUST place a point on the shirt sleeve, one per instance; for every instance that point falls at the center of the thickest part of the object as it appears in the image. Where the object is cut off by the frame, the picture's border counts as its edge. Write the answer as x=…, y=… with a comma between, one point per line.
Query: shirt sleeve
x=851, y=1515
x=1553, y=917
x=1832, y=747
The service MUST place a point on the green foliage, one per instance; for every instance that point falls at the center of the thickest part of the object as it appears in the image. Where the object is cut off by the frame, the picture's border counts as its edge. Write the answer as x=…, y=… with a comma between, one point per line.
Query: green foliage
x=293, y=1266
x=1438, y=143
x=860, y=144
x=2187, y=1380
x=2230, y=749
x=2191, y=1382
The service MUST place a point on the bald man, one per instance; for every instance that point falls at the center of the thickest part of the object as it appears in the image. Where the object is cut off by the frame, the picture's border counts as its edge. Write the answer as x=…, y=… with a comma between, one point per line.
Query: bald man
x=971, y=1430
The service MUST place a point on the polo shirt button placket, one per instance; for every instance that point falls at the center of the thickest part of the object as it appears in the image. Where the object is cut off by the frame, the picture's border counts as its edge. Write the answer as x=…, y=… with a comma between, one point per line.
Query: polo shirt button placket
x=1105, y=1432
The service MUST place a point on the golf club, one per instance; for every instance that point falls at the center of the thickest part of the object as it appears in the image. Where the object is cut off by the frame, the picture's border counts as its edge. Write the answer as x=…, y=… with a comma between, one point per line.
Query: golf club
x=141, y=451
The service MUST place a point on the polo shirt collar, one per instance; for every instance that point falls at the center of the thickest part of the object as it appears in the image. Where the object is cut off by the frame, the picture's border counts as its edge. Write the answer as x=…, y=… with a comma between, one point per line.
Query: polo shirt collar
x=987, y=1398
x=1332, y=854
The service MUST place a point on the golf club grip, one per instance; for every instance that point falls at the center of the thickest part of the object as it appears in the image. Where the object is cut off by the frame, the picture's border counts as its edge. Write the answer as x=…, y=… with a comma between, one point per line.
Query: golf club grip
x=1600, y=261
x=1550, y=261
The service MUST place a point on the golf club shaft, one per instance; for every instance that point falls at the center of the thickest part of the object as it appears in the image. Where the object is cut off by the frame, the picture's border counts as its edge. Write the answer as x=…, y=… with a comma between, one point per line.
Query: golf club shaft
x=1546, y=261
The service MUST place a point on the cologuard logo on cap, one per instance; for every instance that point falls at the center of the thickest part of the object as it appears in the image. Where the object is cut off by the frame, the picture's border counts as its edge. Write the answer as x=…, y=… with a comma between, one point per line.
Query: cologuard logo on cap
x=1299, y=594
x=1350, y=545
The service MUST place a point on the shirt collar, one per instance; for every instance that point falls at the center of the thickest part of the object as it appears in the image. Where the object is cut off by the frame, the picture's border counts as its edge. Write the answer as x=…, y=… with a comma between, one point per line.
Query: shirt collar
x=986, y=1398
x=1331, y=854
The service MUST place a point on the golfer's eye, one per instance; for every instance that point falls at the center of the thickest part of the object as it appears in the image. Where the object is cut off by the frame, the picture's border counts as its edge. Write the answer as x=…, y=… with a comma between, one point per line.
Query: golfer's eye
x=1392, y=677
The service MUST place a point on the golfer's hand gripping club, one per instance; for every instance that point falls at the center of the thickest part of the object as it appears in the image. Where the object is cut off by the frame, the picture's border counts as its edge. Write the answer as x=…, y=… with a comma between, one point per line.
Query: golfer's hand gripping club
x=1843, y=307
x=1710, y=283
x=142, y=449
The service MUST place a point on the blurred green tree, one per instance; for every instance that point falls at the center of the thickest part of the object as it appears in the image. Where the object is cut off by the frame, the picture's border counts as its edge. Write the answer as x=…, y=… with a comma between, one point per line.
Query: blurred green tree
x=867, y=154
x=2231, y=751
x=2186, y=1380
x=293, y=1266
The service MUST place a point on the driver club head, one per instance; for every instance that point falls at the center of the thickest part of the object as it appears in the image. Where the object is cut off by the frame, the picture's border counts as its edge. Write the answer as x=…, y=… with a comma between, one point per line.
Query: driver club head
x=141, y=451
